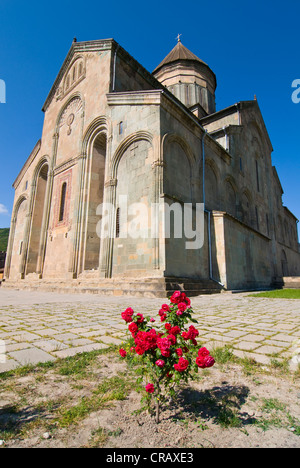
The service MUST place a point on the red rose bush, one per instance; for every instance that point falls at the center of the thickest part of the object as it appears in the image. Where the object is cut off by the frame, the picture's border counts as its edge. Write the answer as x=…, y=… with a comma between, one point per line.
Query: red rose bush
x=168, y=352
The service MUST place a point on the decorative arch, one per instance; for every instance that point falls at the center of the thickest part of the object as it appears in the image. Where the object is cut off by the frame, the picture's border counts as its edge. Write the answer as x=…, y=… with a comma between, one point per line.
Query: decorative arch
x=13, y=251
x=174, y=137
x=230, y=195
x=94, y=150
x=137, y=136
x=42, y=162
x=23, y=197
x=99, y=125
x=74, y=97
x=258, y=138
x=246, y=206
x=75, y=73
x=212, y=190
x=39, y=207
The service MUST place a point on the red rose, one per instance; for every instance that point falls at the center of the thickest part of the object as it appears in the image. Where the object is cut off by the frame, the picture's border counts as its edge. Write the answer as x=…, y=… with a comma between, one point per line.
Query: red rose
x=193, y=333
x=182, y=296
x=127, y=315
x=145, y=341
x=179, y=297
x=140, y=319
x=149, y=388
x=182, y=306
x=175, y=298
x=179, y=352
x=164, y=344
x=160, y=363
x=182, y=365
x=209, y=361
x=163, y=317
x=140, y=350
x=165, y=307
x=122, y=352
x=168, y=326
x=175, y=330
x=133, y=328
x=205, y=361
x=203, y=352
x=172, y=339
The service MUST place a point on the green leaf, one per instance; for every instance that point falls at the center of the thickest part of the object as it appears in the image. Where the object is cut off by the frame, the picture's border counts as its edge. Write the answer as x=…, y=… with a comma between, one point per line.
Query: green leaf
x=193, y=320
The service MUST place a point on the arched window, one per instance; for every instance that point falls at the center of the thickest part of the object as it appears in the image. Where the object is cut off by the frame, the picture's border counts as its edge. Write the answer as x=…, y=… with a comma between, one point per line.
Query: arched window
x=62, y=201
x=118, y=223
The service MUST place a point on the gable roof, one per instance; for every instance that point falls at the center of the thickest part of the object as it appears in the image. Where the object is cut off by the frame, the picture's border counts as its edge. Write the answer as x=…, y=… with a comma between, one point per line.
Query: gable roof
x=76, y=47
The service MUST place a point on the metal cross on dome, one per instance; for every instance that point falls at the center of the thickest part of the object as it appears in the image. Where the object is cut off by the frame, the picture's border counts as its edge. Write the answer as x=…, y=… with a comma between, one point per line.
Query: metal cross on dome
x=178, y=37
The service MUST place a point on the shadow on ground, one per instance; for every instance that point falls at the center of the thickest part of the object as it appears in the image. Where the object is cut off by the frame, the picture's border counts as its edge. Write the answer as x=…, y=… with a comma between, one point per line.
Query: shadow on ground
x=220, y=405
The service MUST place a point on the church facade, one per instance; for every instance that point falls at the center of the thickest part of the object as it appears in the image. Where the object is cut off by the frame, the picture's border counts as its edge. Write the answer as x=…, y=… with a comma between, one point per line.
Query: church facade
x=114, y=131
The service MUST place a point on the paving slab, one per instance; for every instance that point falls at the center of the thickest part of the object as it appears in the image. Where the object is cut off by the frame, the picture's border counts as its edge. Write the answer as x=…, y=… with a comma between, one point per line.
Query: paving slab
x=38, y=326
x=31, y=356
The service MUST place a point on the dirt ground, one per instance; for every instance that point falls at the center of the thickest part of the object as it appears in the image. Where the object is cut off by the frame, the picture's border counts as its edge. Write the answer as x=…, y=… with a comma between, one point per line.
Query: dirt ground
x=92, y=401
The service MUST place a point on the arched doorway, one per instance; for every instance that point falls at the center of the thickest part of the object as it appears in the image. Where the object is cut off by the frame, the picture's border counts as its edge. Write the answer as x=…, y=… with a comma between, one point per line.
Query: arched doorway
x=95, y=198
x=14, y=259
x=37, y=220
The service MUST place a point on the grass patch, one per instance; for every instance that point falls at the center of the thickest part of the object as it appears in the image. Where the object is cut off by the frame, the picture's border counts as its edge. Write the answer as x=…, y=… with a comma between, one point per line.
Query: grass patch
x=77, y=365
x=279, y=294
x=4, y=233
x=277, y=415
x=224, y=355
x=116, y=388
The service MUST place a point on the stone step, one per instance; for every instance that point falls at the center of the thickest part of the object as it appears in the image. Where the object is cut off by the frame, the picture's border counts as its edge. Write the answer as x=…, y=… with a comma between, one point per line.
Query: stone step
x=287, y=282
x=149, y=287
x=291, y=282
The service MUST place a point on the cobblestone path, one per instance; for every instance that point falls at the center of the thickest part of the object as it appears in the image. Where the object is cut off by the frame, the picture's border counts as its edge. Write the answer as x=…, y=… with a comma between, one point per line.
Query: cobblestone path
x=38, y=327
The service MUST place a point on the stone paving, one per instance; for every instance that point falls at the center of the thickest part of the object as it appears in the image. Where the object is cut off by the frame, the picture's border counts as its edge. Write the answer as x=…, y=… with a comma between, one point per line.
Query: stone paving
x=39, y=327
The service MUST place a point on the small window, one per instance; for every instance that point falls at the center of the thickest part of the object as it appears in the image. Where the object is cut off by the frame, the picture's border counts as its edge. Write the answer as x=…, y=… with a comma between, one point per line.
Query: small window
x=26, y=185
x=74, y=73
x=268, y=224
x=120, y=128
x=80, y=69
x=241, y=164
x=118, y=223
x=62, y=202
x=21, y=248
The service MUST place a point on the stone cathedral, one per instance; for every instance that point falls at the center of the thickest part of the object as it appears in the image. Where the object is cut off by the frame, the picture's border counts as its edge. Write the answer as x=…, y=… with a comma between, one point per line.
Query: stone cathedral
x=113, y=129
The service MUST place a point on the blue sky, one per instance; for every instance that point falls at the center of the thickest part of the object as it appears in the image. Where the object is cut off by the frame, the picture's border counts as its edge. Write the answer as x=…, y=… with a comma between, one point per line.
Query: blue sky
x=252, y=46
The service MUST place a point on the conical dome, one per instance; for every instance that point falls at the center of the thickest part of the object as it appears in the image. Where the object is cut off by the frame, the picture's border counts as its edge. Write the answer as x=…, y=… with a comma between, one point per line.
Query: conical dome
x=180, y=52
x=189, y=79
